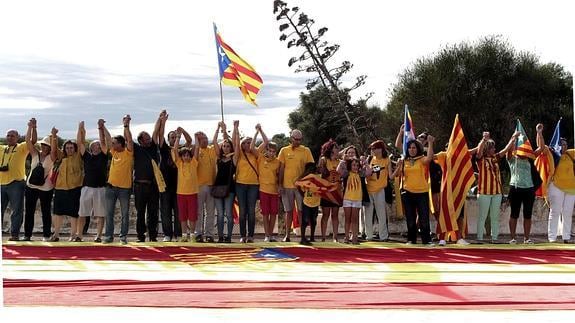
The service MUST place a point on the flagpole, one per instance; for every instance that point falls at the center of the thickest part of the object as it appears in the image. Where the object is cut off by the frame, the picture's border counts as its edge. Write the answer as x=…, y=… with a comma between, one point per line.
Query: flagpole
x=221, y=101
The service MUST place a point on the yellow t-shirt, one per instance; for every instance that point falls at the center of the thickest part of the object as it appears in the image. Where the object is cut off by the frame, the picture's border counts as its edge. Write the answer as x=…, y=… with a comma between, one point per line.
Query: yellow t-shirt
x=70, y=172
x=245, y=174
x=121, y=168
x=294, y=160
x=268, y=169
x=15, y=158
x=376, y=182
x=187, y=176
x=311, y=199
x=415, y=176
x=353, y=187
x=207, y=166
x=564, y=178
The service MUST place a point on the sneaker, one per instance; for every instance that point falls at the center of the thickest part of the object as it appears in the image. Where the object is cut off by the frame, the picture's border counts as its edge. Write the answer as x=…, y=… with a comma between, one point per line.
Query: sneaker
x=167, y=239
x=305, y=242
x=153, y=240
x=494, y=241
x=528, y=241
x=462, y=242
x=567, y=241
x=45, y=239
x=512, y=241
x=228, y=239
x=14, y=238
x=124, y=240
x=442, y=243
x=27, y=239
x=199, y=238
x=273, y=239
x=267, y=239
x=220, y=239
x=184, y=238
x=209, y=239
x=250, y=240
x=97, y=240
x=108, y=240
x=408, y=243
x=552, y=241
x=243, y=240
x=430, y=244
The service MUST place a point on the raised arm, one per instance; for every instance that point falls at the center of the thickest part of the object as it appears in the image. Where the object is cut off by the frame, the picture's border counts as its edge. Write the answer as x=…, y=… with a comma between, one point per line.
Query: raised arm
x=30, y=135
x=102, y=136
x=80, y=138
x=398, y=168
x=399, y=138
x=127, y=133
x=54, y=144
x=176, y=149
x=481, y=146
x=187, y=137
x=197, y=147
x=540, y=141
x=508, y=150
x=107, y=136
x=253, y=142
x=157, y=126
x=215, y=139
x=429, y=157
x=236, y=141
x=265, y=139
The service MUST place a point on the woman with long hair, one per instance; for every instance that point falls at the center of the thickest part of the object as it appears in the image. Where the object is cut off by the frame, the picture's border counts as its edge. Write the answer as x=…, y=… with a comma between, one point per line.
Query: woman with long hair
x=327, y=167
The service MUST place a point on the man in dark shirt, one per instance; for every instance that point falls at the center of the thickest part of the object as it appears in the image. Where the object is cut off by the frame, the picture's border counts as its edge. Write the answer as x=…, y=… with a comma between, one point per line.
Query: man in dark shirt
x=146, y=193
x=168, y=203
x=93, y=195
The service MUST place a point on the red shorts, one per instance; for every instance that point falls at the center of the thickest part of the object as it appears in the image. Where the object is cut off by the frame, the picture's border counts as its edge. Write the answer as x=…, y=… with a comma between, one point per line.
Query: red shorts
x=269, y=203
x=187, y=207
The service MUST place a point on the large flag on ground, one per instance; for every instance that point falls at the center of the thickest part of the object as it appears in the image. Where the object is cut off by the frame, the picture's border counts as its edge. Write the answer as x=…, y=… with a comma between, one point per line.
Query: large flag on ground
x=523, y=145
x=235, y=71
x=546, y=162
x=408, y=132
x=457, y=179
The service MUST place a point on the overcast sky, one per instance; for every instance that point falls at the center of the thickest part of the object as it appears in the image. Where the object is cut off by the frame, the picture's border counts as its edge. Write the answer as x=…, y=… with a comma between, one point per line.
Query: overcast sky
x=68, y=61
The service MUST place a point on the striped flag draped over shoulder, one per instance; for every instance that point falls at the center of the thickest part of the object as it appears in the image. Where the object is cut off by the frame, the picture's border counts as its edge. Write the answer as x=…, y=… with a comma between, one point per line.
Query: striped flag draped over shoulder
x=235, y=71
x=457, y=179
x=546, y=162
x=326, y=189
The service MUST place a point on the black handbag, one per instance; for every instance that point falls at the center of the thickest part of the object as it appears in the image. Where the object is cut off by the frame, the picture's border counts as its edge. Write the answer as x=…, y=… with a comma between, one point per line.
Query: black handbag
x=220, y=191
x=37, y=177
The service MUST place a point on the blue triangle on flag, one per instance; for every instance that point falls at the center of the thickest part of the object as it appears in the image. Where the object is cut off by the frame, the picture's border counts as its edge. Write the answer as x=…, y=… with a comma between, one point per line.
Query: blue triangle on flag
x=272, y=253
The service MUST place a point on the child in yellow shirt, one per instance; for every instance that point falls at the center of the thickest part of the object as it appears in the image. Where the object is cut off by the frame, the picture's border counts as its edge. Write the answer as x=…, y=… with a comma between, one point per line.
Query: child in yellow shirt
x=311, y=201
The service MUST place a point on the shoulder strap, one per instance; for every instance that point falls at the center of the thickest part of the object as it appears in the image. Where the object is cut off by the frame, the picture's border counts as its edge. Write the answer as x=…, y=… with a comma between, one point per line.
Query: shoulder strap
x=249, y=162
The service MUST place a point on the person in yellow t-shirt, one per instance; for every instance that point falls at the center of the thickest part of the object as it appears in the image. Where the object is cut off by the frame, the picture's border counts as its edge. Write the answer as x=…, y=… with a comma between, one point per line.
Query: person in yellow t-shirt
x=12, y=174
x=292, y=163
x=207, y=165
x=311, y=202
x=119, y=180
x=561, y=193
x=354, y=180
x=413, y=171
x=67, y=188
x=268, y=169
x=376, y=183
x=247, y=182
x=187, y=191
x=328, y=169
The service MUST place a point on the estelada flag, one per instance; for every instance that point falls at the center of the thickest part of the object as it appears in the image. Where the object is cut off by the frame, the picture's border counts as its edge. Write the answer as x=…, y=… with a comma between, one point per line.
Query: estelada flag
x=235, y=71
x=457, y=179
x=523, y=146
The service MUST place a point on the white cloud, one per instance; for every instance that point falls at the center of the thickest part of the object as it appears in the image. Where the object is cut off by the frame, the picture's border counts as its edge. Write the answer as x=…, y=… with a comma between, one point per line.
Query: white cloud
x=24, y=103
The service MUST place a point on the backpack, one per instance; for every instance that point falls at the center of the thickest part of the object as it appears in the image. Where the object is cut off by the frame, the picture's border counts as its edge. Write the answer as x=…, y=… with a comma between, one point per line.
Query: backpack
x=37, y=175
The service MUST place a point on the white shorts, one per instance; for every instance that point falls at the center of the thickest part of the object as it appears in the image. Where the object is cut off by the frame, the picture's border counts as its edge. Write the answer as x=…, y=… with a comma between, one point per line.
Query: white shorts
x=93, y=201
x=349, y=203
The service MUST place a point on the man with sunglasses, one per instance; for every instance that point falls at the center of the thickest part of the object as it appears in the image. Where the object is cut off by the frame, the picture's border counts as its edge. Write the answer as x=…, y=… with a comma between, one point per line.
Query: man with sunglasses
x=13, y=174
x=292, y=164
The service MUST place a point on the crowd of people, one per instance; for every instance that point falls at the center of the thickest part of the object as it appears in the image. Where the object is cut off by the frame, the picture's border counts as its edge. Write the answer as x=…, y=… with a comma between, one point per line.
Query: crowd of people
x=192, y=187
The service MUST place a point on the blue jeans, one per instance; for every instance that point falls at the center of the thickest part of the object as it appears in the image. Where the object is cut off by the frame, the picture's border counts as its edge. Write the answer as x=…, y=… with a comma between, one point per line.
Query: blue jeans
x=247, y=197
x=112, y=194
x=13, y=194
x=224, y=208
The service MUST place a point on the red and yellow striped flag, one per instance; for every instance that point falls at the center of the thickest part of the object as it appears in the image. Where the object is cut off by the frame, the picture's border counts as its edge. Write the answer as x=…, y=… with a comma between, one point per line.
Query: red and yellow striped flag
x=235, y=71
x=457, y=179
